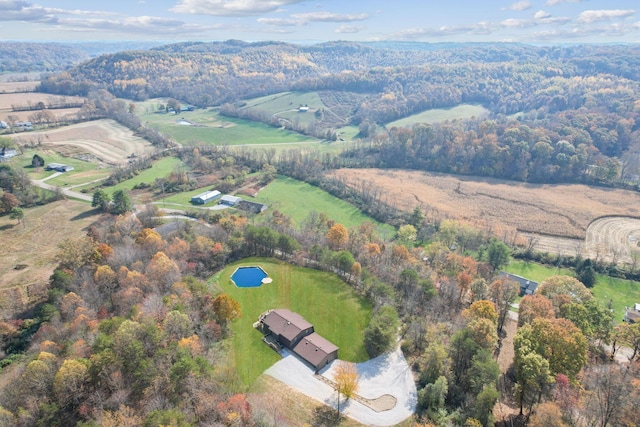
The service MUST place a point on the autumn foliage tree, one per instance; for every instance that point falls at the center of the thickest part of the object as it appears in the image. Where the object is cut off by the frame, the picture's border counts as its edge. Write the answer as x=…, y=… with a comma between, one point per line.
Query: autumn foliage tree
x=337, y=236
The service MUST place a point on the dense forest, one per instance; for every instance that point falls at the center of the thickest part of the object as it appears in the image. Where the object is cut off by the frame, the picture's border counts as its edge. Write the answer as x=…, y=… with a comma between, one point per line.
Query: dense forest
x=557, y=114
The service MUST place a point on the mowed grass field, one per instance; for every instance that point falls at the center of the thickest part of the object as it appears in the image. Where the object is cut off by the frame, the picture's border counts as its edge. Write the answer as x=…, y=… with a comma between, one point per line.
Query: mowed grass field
x=621, y=293
x=463, y=111
x=297, y=199
x=334, y=309
x=212, y=128
x=285, y=105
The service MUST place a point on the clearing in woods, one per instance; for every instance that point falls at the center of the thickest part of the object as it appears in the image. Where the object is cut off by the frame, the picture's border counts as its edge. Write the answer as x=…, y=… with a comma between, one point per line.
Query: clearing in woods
x=559, y=217
x=28, y=251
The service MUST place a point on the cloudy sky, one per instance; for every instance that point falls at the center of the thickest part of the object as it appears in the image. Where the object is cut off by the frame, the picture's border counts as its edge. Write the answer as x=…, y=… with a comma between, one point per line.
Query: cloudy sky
x=539, y=21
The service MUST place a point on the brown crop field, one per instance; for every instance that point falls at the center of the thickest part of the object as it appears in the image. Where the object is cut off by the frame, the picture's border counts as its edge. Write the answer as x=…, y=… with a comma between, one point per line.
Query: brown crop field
x=559, y=217
x=106, y=140
x=27, y=252
x=13, y=94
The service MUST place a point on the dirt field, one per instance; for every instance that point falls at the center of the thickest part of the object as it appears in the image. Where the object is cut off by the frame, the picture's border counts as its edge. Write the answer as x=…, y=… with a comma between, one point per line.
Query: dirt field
x=11, y=87
x=558, y=216
x=27, y=251
x=107, y=140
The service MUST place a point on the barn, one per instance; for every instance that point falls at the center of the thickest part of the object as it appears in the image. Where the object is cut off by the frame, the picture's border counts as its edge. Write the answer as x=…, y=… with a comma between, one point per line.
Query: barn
x=59, y=167
x=206, y=197
x=230, y=200
x=292, y=331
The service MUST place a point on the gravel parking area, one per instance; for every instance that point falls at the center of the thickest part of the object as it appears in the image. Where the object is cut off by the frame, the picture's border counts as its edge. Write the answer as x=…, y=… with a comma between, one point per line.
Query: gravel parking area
x=388, y=374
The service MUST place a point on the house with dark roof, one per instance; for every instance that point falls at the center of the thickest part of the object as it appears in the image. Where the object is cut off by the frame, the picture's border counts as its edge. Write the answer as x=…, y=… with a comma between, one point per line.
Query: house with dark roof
x=527, y=287
x=292, y=331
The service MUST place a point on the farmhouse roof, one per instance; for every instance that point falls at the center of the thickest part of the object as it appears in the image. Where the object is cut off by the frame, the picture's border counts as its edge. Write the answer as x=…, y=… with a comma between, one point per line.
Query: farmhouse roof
x=286, y=323
x=527, y=287
x=313, y=348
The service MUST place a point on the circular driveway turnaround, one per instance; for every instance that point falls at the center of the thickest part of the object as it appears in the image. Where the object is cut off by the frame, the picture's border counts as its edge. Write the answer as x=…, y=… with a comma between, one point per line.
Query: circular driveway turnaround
x=388, y=374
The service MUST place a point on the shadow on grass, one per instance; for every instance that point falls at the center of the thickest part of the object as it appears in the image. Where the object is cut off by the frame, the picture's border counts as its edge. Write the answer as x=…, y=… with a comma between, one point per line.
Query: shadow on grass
x=324, y=416
x=7, y=227
x=86, y=214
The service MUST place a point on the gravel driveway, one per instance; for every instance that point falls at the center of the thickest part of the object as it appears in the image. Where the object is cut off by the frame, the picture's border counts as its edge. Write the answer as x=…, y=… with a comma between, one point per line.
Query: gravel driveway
x=386, y=374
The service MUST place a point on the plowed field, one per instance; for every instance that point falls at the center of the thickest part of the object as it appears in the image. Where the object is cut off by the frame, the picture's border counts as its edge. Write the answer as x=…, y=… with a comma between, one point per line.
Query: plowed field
x=106, y=140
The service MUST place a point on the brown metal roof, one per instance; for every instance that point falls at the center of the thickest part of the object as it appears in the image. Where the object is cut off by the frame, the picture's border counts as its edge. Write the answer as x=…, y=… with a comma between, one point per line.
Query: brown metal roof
x=285, y=323
x=313, y=348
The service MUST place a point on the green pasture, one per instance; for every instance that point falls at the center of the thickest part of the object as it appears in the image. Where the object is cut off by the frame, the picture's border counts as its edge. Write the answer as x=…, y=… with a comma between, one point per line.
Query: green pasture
x=212, y=128
x=619, y=292
x=184, y=199
x=334, y=309
x=160, y=169
x=285, y=101
x=297, y=199
x=463, y=111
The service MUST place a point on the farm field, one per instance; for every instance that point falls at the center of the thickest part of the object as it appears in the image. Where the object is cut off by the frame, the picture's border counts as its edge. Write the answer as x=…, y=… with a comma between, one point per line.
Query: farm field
x=619, y=292
x=104, y=140
x=336, y=312
x=31, y=249
x=543, y=211
x=208, y=127
x=297, y=199
x=13, y=93
x=463, y=111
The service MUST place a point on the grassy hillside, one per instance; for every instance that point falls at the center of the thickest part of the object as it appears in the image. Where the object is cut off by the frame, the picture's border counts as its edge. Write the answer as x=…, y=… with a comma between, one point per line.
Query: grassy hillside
x=336, y=312
x=297, y=199
x=462, y=111
x=208, y=127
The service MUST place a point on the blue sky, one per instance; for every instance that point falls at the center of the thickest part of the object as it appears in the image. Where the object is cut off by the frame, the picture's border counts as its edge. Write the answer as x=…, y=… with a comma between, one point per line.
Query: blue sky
x=532, y=21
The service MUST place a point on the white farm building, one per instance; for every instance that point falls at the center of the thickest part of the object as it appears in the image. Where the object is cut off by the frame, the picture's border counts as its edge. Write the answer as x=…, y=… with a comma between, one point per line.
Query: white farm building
x=206, y=197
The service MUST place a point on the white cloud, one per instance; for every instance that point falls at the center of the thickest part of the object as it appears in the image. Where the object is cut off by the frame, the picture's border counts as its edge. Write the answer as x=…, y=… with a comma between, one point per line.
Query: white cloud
x=517, y=23
x=520, y=5
x=589, y=16
x=349, y=29
x=329, y=17
x=280, y=22
x=541, y=14
x=555, y=2
x=135, y=25
x=231, y=7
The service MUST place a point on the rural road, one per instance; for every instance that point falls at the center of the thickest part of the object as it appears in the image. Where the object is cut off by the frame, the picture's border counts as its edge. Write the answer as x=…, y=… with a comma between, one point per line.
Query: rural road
x=68, y=192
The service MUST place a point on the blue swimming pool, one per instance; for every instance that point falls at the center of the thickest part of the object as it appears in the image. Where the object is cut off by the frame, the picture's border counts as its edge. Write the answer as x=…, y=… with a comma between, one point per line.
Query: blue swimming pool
x=248, y=277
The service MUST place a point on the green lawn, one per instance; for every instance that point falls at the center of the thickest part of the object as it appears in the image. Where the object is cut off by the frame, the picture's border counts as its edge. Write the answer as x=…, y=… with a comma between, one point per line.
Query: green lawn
x=336, y=312
x=463, y=111
x=297, y=199
x=83, y=171
x=607, y=289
